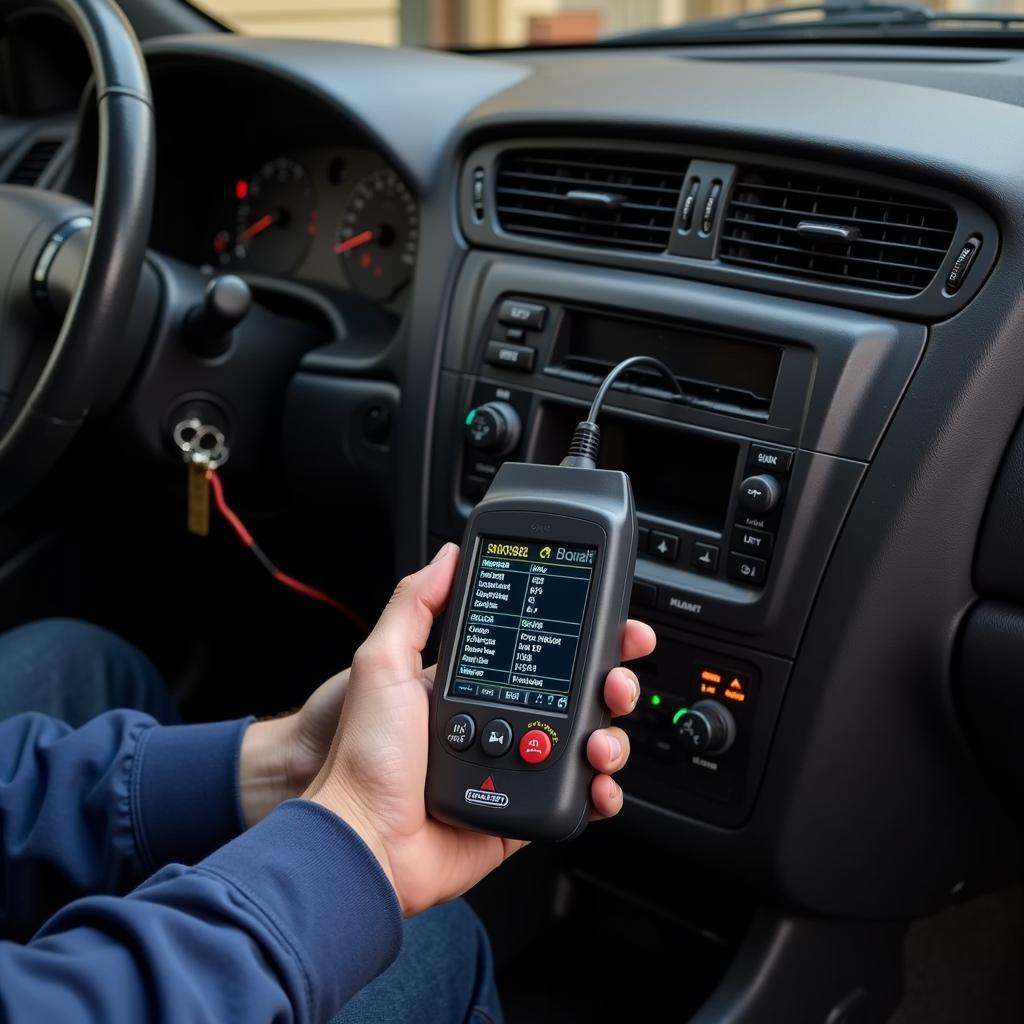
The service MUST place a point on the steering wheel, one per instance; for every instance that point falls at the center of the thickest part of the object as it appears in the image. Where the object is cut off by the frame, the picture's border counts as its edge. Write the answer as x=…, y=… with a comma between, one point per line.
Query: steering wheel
x=47, y=398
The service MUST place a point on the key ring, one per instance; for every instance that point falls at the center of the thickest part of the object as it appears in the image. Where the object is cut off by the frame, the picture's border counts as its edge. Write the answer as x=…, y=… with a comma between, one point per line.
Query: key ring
x=201, y=443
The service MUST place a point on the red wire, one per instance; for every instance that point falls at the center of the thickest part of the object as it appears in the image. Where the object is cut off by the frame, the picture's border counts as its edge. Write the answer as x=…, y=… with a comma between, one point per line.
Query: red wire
x=282, y=577
x=222, y=506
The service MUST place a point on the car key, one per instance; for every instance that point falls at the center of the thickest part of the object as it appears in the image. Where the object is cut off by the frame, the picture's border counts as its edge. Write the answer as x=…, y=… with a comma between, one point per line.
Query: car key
x=203, y=448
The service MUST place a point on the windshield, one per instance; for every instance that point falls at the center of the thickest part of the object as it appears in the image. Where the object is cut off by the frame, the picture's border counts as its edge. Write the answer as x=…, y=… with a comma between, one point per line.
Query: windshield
x=498, y=24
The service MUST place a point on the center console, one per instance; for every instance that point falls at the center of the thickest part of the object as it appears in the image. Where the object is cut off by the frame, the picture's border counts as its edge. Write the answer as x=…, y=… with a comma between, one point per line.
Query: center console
x=741, y=484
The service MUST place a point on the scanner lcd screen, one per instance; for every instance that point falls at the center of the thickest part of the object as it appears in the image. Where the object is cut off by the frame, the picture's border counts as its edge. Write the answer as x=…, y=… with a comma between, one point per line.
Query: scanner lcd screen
x=520, y=633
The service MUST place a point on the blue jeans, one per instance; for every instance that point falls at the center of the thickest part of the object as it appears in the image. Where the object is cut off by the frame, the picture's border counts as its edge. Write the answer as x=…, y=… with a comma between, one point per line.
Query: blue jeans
x=74, y=671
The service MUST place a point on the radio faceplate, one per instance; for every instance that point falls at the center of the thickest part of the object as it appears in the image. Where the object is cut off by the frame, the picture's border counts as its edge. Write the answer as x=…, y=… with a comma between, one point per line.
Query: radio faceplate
x=741, y=488
x=679, y=526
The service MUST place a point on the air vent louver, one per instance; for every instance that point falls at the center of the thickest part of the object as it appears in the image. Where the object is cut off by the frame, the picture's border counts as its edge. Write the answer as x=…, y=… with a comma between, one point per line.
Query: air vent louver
x=614, y=199
x=33, y=164
x=777, y=221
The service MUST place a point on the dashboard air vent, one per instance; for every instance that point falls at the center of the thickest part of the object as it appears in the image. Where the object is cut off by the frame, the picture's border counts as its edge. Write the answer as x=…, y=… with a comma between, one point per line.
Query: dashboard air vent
x=34, y=162
x=615, y=199
x=837, y=231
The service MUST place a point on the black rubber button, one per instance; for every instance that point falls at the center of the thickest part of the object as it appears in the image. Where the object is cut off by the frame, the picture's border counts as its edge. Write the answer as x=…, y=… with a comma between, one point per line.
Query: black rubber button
x=459, y=732
x=746, y=569
x=496, y=738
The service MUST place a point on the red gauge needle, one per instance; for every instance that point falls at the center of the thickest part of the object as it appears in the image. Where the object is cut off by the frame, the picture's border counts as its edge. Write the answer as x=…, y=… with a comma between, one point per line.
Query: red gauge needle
x=259, y=226
x=354, y=242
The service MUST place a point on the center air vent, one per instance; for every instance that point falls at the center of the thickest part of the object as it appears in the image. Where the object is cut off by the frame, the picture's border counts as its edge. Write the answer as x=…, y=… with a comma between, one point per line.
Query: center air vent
x=824, y=229
x=615, y=199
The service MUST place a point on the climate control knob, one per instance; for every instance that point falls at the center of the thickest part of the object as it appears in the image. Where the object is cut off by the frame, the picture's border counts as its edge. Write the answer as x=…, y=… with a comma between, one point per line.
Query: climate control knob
x=494, y=428
x=707, y=728
x=760, y=493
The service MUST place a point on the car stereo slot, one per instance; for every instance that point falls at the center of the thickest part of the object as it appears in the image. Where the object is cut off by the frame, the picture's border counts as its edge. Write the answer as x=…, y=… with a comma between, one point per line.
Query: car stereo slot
x=677, y=475
x=715, y=371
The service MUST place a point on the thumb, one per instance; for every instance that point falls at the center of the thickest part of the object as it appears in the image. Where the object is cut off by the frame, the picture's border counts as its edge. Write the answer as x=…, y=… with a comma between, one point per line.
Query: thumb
x=402, y=630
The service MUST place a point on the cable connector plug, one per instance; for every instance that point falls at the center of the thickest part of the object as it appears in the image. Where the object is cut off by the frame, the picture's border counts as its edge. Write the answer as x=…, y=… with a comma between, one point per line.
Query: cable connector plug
x=585, y=444
x=586, y=438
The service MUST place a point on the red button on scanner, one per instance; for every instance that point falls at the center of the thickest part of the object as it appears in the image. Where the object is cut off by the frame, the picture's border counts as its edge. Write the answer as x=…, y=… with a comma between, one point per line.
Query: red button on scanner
x=535, y=746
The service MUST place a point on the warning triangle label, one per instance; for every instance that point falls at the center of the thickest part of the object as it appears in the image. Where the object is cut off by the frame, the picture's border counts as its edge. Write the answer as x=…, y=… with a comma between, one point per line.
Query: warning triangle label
x=488, y=784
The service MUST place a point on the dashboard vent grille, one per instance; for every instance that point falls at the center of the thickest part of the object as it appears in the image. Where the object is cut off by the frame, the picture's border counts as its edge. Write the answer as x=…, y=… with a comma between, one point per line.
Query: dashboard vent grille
x=615, y=199
x=779, y=221
x=33, y=164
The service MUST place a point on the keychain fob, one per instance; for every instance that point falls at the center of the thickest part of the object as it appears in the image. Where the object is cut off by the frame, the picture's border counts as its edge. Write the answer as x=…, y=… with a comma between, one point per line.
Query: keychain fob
x=535, y=624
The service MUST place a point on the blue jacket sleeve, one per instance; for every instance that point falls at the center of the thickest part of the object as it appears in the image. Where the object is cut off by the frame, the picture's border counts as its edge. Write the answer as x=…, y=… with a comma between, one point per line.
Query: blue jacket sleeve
x=285, y=923
x=96, y=810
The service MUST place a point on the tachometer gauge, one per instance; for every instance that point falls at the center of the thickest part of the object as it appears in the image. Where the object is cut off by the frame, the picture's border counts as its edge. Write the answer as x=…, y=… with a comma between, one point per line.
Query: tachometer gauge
x=376, y=239
x=277, y=218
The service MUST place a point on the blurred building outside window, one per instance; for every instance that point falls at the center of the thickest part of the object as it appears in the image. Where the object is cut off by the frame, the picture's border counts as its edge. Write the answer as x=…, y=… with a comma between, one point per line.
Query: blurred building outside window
x=486, y=24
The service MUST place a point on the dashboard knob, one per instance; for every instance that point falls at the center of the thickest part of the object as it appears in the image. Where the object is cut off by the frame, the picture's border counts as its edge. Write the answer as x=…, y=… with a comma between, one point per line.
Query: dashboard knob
x=760, y=493
x=493, y=427
x=707, y=728
x=226, y=301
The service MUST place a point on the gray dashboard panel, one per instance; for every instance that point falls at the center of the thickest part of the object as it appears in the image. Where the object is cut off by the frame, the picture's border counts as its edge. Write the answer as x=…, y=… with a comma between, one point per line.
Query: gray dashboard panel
x=407, y=101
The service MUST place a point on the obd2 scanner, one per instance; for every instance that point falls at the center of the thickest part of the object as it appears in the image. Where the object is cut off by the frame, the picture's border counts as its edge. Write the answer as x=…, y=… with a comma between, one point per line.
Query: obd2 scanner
x=535, y=624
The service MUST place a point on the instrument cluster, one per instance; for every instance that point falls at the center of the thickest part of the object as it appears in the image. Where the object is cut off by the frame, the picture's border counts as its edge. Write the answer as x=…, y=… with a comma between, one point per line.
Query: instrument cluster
x=336, y=216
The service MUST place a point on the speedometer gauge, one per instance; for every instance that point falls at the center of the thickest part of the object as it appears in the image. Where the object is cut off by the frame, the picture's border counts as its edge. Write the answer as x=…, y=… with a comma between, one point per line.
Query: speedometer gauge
x=377, y=235
x=277, y=218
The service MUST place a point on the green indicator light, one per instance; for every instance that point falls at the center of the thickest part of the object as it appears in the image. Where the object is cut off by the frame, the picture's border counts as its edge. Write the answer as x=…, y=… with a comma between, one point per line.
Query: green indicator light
x=679, y=714
x=655, y=700
x=470, y=417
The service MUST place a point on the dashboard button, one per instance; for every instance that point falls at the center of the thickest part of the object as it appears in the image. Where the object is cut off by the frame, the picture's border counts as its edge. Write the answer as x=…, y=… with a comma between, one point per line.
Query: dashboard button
x=750, y=541
x=760, y=493
x=689, y=205
x=496, y=738
x=707, y=728
x=535, y=746
x=523, y=314
x=704, y=557
x=962, y=264
x=707, y=222
x=478, y=194
x=663, y=545
x=511, y=357
x=459, y=732
x=493, y=427
x=643, y=538
x=763, y=457
x=746, y=569
x=645, y=595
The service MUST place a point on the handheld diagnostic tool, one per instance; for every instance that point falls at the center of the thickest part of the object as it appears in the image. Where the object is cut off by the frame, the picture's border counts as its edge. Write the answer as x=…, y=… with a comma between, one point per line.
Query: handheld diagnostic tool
x=535, y=624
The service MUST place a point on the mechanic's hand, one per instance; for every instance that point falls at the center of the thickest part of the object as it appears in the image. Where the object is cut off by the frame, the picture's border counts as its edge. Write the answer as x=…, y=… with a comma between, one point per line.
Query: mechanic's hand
x=281, y=756
x=375, y=774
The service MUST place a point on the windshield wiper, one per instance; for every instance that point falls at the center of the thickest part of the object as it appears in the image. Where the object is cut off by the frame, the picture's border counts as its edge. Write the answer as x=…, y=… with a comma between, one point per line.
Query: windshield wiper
x=840, y=14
